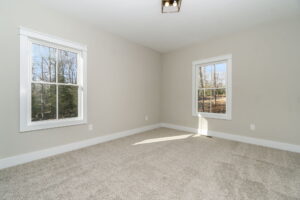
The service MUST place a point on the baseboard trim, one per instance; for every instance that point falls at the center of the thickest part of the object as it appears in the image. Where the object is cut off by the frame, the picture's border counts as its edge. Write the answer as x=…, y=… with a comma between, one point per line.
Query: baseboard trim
x=238, y=138
x=28, y=157
x=180, y=128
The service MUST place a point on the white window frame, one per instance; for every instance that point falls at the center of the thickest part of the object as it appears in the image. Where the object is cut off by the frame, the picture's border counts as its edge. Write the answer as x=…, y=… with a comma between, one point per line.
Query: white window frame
x=195, y=71
x=27, y=37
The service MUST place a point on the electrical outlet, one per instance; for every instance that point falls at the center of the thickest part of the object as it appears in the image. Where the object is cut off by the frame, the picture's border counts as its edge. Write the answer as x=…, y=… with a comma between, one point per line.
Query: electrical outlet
x=91, y=127
x=146, y=117
x=252, y=127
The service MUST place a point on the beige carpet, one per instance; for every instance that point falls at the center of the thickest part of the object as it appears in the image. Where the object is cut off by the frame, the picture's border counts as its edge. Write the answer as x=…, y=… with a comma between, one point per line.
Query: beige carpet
x=158, y=164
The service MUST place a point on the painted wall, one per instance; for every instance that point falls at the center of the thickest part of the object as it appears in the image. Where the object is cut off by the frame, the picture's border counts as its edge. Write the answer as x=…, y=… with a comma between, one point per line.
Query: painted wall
x=123, y=79
x=126, y=81
x=266, y=82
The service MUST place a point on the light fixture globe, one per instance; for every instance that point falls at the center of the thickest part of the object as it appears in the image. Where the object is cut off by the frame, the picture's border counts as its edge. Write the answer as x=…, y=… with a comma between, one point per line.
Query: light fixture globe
x=170, y=6
x=175, y=3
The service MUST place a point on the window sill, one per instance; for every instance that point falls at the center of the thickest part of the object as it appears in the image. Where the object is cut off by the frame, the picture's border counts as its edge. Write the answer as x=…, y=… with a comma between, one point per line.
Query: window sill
x=212, y=115
x=40, y=125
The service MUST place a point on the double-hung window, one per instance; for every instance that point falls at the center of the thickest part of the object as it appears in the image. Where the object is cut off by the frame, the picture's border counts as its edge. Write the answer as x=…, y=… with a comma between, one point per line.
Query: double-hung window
x=52, y=81
x=212, y=87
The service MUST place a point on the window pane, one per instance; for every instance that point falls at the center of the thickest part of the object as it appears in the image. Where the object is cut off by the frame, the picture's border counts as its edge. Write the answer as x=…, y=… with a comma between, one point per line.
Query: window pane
x=201, y=101
x=67, y=67
x=43, y=102
x=204, y=100
x=43, y=63
x=206, y=77
x=220, y=75
x=219, y=101
x=67, y=101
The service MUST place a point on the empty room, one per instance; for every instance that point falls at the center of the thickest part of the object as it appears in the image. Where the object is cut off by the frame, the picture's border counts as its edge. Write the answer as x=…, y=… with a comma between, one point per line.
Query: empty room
x=150, y=100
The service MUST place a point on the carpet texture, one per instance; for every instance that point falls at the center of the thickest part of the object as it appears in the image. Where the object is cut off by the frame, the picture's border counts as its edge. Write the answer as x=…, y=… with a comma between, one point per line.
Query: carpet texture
x=158, y=164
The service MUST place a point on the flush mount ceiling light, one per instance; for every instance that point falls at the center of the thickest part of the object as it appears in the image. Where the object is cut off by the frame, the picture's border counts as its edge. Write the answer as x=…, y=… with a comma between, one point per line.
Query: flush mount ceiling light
x=170, y=6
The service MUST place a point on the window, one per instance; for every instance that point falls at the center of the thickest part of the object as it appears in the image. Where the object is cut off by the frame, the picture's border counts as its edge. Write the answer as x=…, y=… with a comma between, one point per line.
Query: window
x=212, y=87
x=52, y=81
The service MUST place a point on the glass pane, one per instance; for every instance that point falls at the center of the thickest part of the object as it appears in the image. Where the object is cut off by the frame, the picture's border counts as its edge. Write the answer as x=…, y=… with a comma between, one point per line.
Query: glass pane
x=67, y=101
x=220, y=75
x=219, y=101
x=67, y=67
x=201, y=101
x=43, y=63
x=204, y=100
x=43, y=102
x=206, y=77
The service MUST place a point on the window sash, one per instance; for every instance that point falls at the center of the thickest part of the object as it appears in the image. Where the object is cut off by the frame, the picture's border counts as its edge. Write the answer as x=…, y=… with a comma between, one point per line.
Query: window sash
x=212, y=88
x=200, y=88
x=53, y=83
x=197, y=65
x=57, y=47
x=27, y=38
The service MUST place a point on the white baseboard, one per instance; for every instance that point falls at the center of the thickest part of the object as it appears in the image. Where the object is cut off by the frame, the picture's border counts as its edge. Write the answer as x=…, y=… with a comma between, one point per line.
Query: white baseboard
x=239, y=138
x=180, y=128
x=28, y=157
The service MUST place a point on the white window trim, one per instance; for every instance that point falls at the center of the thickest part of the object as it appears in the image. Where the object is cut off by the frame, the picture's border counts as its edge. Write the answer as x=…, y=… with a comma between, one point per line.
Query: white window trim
x=27, y=36
x=196, y=65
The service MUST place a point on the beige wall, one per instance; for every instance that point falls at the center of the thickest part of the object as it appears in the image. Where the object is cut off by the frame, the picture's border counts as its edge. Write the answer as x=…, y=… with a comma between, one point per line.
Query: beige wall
x=266, y=83
x=126, y=81
x=123, y=79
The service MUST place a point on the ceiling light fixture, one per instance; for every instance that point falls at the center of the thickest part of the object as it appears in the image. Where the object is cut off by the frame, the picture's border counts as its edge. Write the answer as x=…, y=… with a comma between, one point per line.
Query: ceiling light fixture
x=175, y=3
x=166, y=8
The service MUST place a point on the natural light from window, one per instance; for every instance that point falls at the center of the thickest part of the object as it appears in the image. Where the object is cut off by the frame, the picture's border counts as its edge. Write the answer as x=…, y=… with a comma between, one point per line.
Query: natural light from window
x=53, y=81
x=212, y=88
x=164, y=139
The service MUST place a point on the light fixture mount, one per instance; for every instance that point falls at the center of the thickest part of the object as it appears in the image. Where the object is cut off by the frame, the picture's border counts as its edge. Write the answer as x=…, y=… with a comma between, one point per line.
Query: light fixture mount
x=170, y=6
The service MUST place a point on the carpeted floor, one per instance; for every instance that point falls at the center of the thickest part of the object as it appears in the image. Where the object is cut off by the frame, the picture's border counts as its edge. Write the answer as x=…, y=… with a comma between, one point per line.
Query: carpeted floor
x=159, y=164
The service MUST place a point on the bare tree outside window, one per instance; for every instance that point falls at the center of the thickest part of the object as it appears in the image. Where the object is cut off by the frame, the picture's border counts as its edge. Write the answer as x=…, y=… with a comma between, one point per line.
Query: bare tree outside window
x=67, y=67
x=54, y=89
x=53, y=81
x=212, y=88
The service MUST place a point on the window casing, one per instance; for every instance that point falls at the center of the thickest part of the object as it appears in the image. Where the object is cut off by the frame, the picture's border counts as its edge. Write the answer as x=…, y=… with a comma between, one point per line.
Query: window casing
x=53, y=89
x=212, y=88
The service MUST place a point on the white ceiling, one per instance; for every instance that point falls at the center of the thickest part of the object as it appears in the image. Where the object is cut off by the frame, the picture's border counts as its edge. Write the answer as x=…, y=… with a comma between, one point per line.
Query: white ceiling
x=141, y=21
